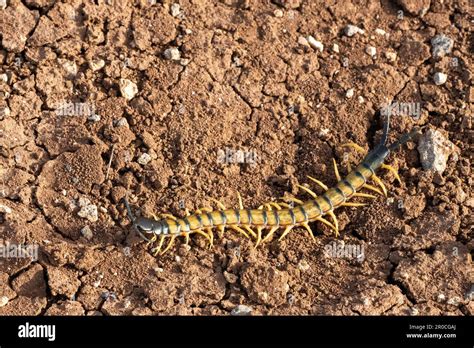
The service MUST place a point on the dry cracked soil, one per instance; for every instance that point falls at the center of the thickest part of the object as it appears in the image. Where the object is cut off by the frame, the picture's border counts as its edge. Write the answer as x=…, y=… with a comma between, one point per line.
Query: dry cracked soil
x=175, y=103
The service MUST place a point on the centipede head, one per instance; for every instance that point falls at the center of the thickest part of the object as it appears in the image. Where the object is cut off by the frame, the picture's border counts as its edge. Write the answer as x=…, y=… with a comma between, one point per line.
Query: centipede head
x=143, y=225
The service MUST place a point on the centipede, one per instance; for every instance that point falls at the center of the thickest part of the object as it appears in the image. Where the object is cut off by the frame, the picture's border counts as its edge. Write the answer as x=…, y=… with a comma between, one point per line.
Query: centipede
x=262, y=223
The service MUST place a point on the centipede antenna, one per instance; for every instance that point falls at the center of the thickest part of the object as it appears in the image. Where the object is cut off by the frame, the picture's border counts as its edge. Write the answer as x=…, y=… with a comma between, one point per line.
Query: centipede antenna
x=129, y=211
x=404, y=139
x=386, y=128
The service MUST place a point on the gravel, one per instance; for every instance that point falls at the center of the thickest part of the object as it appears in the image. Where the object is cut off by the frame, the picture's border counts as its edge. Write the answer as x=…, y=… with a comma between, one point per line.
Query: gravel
x=440, y=46
x=440, y=78
x=317, y=45
x=172, y=53
x=144, y=159
x=371, y=51
x=128, y=89
x=351, y=30
x=434, y=150
x=241, y=310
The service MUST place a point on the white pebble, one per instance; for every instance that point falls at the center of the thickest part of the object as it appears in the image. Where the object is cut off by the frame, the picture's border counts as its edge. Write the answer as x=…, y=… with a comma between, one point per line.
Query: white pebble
x=128, y=89
x=241, y=310
x=335, y=48
x=441, y=298
x=381, y=32
x=94, y=118
x=4, y=78
x=87, y=232
x=391, y=56
x=4, y=112
x=175, y=10
x=350, y=93
x=441, y=45
x=351, y=30
x=317, y=45
x=303, y=41
x=121, y=122
x=5, y=209
x=303, y=265
x=278, y=13
x=3, y=4
x=184, y=61
x=360, y=99
x=144, y=159
x=371, y=51
x=440, y=78
x=172, y=53
x=96, y=64
x=3, y=301
x=89, y=212
x=69, y=66
x=434, y=150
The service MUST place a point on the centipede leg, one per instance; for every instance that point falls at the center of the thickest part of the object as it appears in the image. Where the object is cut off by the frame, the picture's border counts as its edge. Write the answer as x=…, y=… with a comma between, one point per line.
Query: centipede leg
x=169, y=216
x=151, y=240
x=220, y=231
x=353, y=204
x=238, y=229
x=334, y=219
x=372, y=188
x=204, y=234
x=239, y=197
x=393, y=171
x=320, y=183
x=252, y=233
x=285, y=232
x=259, y=236
x=270, y=234
x=168, y=247
x=211, y=237
x=380, y=183
x=292, y=200
x=306, y=226
x=336, y=171
x=186, y=237
x=358, y=148
x=364, y=195
x=311, y=193
x=157, y=250
x=219, y=204
x=326, y=222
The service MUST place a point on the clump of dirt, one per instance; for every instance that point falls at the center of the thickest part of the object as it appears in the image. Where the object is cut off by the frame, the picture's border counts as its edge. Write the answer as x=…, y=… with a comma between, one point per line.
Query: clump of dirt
x=171, y=105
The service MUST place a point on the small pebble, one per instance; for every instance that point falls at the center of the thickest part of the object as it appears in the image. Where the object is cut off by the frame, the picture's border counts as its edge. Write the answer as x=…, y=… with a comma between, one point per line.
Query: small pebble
x=172, y=53
x=121, y=122
x=3, y=4
x=144, y=159
x=380, y=32
x=231, y=278
x=303, y=41
x=371, y=51
x=241, y=310
x=414, y=311
x=175, y=10
x=128, y=89
x=441, y=298
x=87, y=232
x=184, y=61
x=391, y=56
x=70, y=67
x=434, y=150
x=94, y=118
x=454, y=301
x=89, y=212
x=317, y=45
x=360, y=99
x=4, y=112
x=335, y=48
x=4, y=78
x=441, y=45
x=440, y=78
x=303, y=265
x=351, y=30
x=3, y=301
x=278, y=13
x=350, y=93
x=5, y=209
x=96, y=64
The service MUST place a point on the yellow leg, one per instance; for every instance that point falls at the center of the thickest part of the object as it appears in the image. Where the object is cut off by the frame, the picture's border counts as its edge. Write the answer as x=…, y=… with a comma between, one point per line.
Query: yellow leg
x=157, y=218
x=168, y=247
x=292, y=199
x=336, y=171
x=211, y=237
x=169, y=216
x=350, y=204
x=252, y=233
x=312, y=194
x=305, y=225
x=372, y=188
x=380, y=183
x=393, y=171
x=204, y=234
x=324, y=187
x=354, y=146
x=186, y=212
x=286, y=205
x=241, y=205
x=152, y=240
x=219, y=204
x=238, y=229
x=259, y=236
x=365, y=195
x=336, y=224
x=186, y=237
x=285, y=232
x=270, y=234
x=326, y=222
x=220, y=231
x=156, y=250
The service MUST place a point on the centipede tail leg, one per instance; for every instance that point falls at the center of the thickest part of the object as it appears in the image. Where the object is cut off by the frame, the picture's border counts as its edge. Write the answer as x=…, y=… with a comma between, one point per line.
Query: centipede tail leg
x=393, y=171
x=285, y=232
x=270, y=234
x=311, y=234
x=380, y=183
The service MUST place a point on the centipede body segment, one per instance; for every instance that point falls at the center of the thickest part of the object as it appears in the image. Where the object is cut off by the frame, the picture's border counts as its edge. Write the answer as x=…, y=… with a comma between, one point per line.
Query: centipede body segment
x=261, y=224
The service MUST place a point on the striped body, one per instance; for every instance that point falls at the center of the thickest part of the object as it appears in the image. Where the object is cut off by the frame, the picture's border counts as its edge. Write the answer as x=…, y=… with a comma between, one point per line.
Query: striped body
x=300, y=214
